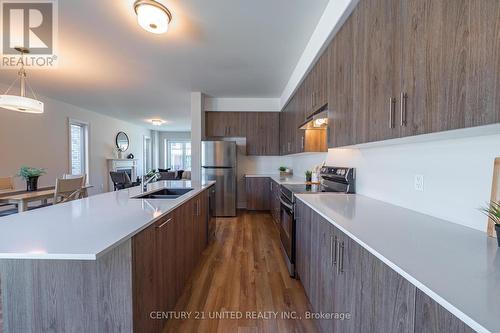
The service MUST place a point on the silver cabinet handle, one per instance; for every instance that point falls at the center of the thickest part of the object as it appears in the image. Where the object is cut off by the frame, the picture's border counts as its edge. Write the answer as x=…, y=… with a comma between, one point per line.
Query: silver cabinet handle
x=334, y=249
x=164, y=223
x=404, y=97
x=392, y=106
x=341, y=258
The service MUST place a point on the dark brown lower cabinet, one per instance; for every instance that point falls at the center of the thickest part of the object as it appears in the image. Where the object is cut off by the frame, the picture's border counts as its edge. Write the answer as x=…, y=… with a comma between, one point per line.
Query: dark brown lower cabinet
x=163, y=257
x=275, y=201
x=257, y=193
x=341, y=278
x=430, y=317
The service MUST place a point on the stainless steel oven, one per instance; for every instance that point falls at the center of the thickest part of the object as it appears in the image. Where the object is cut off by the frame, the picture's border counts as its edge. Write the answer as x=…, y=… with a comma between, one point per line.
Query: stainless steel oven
x=287, y=231
x=333, y=179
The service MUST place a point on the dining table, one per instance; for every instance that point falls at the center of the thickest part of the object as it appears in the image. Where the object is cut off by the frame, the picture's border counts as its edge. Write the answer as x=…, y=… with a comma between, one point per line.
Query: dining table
x=22, y=198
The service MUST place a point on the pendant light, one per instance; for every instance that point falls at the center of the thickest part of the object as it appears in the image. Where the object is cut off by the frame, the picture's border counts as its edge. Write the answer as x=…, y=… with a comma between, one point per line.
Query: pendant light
x=20, y=102
x=152, y=16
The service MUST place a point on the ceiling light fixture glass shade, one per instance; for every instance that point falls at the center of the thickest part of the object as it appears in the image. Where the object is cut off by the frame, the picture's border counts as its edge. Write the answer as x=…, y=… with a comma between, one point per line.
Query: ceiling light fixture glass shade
x=20, y=102
x=152, y=16
x=157, y=122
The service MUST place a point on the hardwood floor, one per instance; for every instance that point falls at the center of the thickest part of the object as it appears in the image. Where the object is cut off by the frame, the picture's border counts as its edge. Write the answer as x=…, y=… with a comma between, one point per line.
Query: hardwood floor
x=242, y=273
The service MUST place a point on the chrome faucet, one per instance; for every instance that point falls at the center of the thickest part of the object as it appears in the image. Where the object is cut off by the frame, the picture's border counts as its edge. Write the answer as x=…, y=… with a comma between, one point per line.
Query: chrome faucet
x=153, y=178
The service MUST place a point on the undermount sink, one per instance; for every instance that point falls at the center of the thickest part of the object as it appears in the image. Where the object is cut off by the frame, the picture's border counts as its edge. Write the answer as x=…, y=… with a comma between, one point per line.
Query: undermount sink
x=165, y=193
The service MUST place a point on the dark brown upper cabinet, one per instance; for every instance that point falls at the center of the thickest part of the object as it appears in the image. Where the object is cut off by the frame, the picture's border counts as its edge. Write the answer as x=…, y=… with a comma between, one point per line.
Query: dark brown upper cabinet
x=451, y=64
x=407, y=67
x=225, y=124
x=377, y=66
x=261, y=129
x=263, y=133
x=342, y=121
x=316, y=85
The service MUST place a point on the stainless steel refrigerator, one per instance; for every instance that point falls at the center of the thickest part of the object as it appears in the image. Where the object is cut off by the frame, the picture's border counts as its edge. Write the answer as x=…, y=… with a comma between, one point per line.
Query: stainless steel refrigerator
x=218, y=162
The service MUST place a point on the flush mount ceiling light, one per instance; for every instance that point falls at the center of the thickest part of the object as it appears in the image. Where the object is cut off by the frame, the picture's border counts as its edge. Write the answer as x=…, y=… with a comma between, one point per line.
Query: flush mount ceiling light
x=20, y=102
x=157, y=122
x=152, y=16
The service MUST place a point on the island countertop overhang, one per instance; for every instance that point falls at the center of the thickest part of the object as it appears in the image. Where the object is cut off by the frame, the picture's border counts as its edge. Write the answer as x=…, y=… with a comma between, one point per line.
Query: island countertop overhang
x=88, y=228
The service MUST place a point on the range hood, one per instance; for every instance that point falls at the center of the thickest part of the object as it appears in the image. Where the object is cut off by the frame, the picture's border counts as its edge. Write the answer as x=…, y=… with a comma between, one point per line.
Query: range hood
x=316, y=121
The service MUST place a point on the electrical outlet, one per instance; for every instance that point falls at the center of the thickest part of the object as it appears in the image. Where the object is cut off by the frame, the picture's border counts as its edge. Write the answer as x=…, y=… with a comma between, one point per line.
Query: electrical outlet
x=419, y=183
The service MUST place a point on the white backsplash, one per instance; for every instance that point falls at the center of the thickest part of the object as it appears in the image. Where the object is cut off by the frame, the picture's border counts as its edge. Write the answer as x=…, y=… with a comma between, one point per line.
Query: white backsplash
x=457, y=175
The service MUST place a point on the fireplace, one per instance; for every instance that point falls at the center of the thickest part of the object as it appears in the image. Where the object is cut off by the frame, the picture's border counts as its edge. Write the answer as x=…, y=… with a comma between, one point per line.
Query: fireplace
x=128, y=171
x=122, y=165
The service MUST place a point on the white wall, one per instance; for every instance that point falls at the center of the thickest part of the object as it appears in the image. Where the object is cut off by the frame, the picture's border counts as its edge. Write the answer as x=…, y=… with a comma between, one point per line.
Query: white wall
x=197, y=132
x=166, y=136
x=242, y=104
x=457, y=175
x=42, y=141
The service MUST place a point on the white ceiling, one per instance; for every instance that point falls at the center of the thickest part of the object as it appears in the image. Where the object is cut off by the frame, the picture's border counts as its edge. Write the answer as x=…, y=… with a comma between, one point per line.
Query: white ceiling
x=231, y=48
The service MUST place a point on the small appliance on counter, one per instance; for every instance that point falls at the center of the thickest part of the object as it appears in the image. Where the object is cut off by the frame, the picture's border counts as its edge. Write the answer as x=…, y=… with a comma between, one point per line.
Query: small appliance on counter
x=332, y=179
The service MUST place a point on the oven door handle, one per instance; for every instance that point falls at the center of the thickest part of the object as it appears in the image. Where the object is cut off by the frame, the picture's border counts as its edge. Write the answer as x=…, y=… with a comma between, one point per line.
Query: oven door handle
x=286, y=205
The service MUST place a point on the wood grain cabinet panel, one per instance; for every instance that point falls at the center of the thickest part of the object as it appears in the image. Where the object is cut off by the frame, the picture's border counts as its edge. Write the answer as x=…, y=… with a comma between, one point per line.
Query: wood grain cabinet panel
x=339, y=276
x=257, y=193
x=221, y=124
x=377, y=67
x=430, y=317
x=341, y=117
x=450, y=64
x=263, y=130
x=163, y=257
x=275, y=201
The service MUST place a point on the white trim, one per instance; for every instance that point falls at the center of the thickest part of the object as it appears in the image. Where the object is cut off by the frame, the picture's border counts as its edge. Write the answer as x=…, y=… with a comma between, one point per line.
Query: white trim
x=167, y=152
x=86, y=127
x=144, y=157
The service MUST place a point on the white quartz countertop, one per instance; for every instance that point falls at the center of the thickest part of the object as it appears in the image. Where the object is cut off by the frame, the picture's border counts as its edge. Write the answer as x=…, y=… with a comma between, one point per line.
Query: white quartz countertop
x=85, y=229
x=278, y=179
x=457, y=266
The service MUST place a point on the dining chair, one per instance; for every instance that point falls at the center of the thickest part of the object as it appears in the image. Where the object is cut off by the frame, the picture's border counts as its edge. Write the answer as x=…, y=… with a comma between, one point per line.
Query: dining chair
x=7, y=183
x=84, y=190
x=69, y=189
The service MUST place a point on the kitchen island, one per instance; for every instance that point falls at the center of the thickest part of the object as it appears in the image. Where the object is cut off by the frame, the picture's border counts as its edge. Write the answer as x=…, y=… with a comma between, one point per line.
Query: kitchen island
x=102, y=263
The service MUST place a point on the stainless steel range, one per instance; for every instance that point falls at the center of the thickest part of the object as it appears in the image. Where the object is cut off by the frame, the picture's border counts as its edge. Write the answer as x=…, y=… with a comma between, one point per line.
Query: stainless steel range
x=332, y=179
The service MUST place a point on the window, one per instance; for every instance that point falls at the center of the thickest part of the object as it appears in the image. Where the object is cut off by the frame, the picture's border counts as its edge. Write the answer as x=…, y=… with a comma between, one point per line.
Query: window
x=178, y=154
x=78, y=137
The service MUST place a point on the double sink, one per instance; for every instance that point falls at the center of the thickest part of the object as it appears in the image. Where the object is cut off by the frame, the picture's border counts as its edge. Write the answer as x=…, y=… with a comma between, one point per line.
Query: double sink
x=165, y=193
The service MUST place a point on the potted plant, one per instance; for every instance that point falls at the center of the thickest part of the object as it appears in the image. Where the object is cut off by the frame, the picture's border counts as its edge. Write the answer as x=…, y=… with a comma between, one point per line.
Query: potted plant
x=282, y=171
x=493, y=212
x=309, y=176
x=31, y=176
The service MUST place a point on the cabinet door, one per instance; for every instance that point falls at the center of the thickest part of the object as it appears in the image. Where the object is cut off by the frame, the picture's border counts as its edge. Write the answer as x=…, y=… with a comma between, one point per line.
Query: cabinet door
x=321, y=95
x=145, y=279
x=262, y=133
x=430, y=317
x=303, y=241
x=377, y=67
x=450, y=67
x=215, y=124
x=326, y=272
x=220, y=124
x=257, y=193
x=385, y=300
x=341, y=119
x=166, y=256
x=299, y=114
